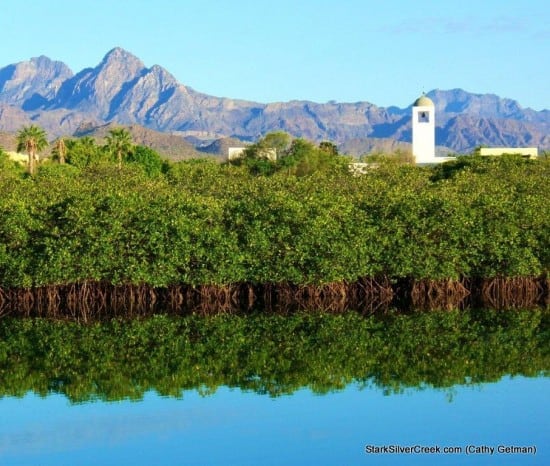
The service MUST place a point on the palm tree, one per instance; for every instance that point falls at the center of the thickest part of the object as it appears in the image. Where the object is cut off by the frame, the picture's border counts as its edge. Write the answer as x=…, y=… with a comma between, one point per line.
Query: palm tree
x=119, y=142
x=31, y=139
x=60, y=150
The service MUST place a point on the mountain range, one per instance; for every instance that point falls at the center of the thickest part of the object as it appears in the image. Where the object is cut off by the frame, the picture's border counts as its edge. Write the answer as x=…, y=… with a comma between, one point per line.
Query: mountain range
x=122, y=90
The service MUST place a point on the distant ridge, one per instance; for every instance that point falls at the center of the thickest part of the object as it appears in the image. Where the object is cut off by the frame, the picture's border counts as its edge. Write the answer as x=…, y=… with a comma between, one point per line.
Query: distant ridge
x=122, y=90
x=171, y=146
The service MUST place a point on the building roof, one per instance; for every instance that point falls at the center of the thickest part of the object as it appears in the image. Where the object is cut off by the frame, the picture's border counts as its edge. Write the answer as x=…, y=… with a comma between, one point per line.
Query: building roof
x=423, y=101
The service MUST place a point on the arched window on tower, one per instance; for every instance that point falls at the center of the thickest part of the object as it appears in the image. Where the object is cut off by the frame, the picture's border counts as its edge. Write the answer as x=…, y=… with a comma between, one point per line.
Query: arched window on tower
x=424, y=117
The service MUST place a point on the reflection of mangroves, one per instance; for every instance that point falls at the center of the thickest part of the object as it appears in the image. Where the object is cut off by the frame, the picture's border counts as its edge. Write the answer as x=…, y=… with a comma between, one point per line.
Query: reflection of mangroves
x=205, y=224
x=89, y=301
x=269, y=354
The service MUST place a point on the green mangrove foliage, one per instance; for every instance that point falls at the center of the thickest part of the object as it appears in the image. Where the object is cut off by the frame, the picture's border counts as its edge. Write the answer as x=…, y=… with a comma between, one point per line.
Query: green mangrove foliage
x=205, y=223
x=269, y=354
x=9, y=168
x=277, y=152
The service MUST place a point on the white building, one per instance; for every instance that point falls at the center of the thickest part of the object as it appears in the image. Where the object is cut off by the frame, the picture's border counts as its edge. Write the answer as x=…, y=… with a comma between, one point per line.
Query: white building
x=423, y=130
x=423, y=133
x=527, y=152
x=423, y=137
x=234, y=153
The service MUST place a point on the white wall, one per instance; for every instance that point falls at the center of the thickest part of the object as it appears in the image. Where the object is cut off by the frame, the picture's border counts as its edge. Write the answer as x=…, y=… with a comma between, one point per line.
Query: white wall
x=531, y=152
x=423, y=134
x=234, y=153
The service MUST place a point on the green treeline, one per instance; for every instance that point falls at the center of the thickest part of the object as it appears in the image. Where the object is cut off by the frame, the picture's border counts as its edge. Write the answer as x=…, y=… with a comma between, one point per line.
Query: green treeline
x=271, y=354
x=200, y=222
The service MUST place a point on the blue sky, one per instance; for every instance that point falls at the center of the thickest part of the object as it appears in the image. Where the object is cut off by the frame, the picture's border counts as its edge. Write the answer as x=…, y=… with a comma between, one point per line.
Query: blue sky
x=385, y=52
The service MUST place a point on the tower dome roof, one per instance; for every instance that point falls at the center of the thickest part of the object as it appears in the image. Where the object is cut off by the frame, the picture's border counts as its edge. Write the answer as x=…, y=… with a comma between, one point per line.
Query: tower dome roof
x=423, y=101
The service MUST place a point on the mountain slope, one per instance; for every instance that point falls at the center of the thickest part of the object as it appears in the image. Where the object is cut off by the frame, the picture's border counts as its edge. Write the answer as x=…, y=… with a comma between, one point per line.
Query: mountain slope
x=92, y=90
x=122, y=89
x=464, y=132
x=32, y=83
x=170, y=146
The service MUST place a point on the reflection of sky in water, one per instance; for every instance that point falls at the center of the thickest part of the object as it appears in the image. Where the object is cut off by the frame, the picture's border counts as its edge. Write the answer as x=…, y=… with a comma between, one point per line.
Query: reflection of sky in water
x=231, y=427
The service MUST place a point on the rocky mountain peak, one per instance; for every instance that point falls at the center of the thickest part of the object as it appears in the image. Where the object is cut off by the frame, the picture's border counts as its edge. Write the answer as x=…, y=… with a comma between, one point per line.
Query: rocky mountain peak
x=458, y=102
x=30, y=83
x=94, y=89
x=122, y=89
x=163, y=77
x=118, y=58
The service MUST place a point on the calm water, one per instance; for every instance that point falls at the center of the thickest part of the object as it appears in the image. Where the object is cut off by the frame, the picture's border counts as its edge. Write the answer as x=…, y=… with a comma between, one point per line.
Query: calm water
x=236, y=427
x=292, y=390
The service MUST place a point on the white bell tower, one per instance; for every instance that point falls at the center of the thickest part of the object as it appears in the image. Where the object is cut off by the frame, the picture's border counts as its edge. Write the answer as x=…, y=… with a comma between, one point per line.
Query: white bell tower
x=423, y=130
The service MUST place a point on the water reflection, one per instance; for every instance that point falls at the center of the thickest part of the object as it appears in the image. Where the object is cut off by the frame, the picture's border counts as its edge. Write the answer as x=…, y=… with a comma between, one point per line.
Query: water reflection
x=272, y=355
x=307, y=388
x=237, y=427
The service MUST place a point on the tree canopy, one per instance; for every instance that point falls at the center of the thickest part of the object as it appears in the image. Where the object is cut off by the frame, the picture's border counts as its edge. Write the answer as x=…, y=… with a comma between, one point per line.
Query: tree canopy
x=279, y=152
x=32, y=140
x=119, y=143
x=201, y=222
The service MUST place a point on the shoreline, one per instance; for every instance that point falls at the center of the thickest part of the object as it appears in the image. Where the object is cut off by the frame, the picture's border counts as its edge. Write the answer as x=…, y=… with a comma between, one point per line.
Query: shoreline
x=92, y=300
